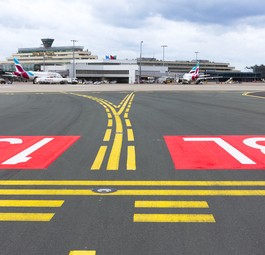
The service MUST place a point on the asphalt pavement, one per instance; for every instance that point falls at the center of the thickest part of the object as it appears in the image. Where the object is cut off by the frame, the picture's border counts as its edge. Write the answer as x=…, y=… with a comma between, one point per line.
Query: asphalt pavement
x=90, y=171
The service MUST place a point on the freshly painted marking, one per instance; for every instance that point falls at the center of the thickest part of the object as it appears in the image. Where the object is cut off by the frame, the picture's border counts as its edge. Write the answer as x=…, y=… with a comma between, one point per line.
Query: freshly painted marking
x=255, y=143
x=237, y=152
x=126, y=115
x=171, y=204
x=115, y=112
x=82, y=192
x=110, y=123
x=99, y=158
x=82, y=252
x=119, y=128
x=125, y=103
x=107, y=135
x=24, y=155
x=171, y=218
x=243, y=159
x=128, y=123
x=12, y=140
x=114, y=158
x=26, y=216
x=31, y=203
x=131, y=158
x=34, y=152
x=130, y=183
x=130, y=135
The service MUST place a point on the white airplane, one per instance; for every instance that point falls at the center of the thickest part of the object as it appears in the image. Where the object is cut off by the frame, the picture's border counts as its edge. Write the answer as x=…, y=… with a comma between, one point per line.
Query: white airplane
x=31, y=75
x=194, y=76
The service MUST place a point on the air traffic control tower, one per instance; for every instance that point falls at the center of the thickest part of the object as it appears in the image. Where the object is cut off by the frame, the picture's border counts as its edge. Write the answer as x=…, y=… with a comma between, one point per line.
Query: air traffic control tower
x=47, y=42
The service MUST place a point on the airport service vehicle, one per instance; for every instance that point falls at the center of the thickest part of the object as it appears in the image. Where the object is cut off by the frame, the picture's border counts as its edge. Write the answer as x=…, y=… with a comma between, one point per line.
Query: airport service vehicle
x=6, y=81
x=2, y=81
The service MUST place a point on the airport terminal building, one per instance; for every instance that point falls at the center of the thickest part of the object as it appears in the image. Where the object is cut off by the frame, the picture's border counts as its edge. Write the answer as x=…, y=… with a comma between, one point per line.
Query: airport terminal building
x=74, y=61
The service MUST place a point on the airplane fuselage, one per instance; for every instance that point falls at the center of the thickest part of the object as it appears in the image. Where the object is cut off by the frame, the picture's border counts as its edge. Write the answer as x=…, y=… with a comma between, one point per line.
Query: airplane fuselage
x=32, y=75
x=189, y=77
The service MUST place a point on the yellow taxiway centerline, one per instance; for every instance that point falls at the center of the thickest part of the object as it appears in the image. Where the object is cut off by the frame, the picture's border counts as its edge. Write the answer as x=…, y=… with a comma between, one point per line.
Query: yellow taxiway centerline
x=83, y=192
x=129, y=183
x=114, y=158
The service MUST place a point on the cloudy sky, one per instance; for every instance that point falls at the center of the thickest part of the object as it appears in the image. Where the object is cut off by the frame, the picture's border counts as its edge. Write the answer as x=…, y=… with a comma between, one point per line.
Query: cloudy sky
x=230, y=31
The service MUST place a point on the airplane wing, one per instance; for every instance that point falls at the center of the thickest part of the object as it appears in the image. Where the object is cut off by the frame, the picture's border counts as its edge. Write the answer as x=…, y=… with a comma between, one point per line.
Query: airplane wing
x=8, y=74
x=205, y=78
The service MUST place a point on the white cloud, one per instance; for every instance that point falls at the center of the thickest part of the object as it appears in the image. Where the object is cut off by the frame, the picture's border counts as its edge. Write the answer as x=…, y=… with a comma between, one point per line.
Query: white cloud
x=117, y=27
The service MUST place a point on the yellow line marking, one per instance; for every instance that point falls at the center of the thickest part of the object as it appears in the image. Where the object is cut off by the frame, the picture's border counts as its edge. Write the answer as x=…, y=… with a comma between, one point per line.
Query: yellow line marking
x=131, y=159
x=130, y=135
x=125, y=103
x=82, y=252
x=119, y=128
x=107, y=135
x=99, y=158
x=249, y=95
x=113, y=110
x=171, y=204
x=174, y=218
x=114, y=158
x=126, y=115
x=110, y=123
x=26, y=216
x=128, y=123
x=31, y=203
x=82, y=192
x=130, y=183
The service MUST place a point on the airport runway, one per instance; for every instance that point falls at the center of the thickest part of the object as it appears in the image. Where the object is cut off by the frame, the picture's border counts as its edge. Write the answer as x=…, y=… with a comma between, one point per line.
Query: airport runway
x=132, y=170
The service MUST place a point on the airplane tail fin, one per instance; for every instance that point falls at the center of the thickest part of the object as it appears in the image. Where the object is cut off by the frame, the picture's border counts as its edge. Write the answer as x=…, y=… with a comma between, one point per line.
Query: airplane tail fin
x=18, y=66
x=195, y=69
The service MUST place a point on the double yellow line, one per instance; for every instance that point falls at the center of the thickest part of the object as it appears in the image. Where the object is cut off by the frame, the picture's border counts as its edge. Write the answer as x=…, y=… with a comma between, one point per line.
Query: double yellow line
x=118, y=124
x=144, y=183
x=159, y=188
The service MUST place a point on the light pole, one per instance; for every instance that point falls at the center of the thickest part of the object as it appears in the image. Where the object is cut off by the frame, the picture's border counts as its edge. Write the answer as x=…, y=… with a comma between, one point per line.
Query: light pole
x=196, y=52
x=140, y=69
x=43, y=54
x=74, y=41
x=43, y=61
x=163, y=46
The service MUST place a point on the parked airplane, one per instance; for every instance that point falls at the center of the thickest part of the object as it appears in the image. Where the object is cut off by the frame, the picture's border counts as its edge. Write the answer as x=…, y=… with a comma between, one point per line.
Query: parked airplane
x=194, y=76
x=31, y=75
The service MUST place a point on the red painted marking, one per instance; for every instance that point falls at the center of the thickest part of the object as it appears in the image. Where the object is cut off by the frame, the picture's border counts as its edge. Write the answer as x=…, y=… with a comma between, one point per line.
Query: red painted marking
x=217, y=152
x=37, y=152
